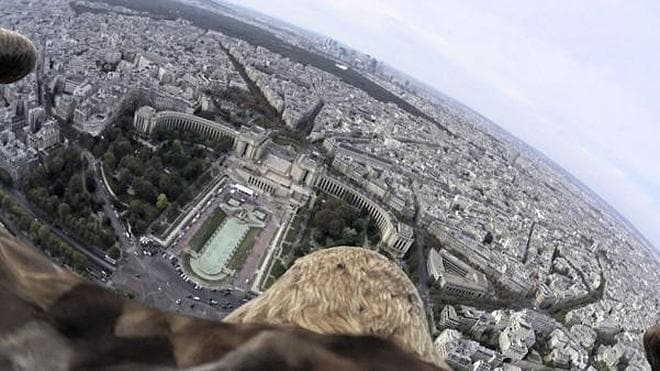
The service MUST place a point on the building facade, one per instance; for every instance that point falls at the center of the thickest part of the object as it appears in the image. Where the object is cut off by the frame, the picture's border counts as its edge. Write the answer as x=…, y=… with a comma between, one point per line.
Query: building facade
x=265, y=167
x=47, y=136
x=396, y=237
x=455, y=277
x=247, y=143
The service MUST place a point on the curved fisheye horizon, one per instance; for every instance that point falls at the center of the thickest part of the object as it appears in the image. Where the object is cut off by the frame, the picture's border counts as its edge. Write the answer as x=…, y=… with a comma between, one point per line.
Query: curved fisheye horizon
x=203, y=184
x=575, y=81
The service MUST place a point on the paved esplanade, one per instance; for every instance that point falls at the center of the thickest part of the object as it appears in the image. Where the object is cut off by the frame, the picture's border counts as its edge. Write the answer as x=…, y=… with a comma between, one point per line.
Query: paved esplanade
x=217, y=251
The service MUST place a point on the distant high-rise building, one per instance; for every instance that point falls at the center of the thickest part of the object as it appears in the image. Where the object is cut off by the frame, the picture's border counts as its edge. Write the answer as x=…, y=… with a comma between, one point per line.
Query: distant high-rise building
x=17, y=124
x=36, y=116
x=21, y=108
x=64, y=107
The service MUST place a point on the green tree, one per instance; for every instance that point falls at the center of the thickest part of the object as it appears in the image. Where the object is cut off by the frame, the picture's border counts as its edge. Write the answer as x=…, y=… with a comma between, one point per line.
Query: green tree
x=109, y=160
x=56, y=165
x=114, y=253
x=191, y=170
x=133, y=164
x=106, y=237
x=98, y=149
x=43, y=233
x=5, y=178
x=278, y=269
x=122, y=147
x=124, y=179
x=79, y=261
x=136, y=207
x=171, y=185
x=152, y=174
x=75, y=184
x=90, y=182
x=161, y=201
x=349, y=233
x=145, y=190
x=67, y=252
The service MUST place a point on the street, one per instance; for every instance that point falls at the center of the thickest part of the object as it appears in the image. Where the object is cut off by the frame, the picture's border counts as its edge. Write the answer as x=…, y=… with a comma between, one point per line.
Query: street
x=155, y=282
x=125, y=243
x=90, y=252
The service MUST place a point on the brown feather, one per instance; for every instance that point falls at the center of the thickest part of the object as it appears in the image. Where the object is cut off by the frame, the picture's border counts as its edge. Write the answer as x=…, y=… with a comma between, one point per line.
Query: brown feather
x=61, y=322
x=652, y=346
x=346, y=290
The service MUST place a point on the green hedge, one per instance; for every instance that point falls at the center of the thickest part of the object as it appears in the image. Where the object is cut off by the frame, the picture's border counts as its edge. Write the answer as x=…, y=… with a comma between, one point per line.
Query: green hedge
x=206, y=230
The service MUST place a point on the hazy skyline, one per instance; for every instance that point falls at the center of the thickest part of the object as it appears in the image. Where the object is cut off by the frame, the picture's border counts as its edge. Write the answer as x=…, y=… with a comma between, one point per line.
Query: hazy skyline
x=577, y=80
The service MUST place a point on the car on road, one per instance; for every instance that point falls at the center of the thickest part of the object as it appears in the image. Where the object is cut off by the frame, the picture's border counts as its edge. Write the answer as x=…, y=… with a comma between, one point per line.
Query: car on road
x=196, y=298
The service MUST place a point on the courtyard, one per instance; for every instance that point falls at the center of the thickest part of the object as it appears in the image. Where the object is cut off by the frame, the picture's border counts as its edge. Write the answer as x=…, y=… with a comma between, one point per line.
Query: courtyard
x=227, y=238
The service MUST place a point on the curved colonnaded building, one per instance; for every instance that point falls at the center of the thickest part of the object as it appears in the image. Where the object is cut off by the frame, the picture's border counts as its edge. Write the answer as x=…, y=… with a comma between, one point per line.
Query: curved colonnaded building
x=280, y=172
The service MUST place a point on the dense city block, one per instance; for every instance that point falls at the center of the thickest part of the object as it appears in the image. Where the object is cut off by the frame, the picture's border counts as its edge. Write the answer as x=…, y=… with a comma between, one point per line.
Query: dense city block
x=174, y=161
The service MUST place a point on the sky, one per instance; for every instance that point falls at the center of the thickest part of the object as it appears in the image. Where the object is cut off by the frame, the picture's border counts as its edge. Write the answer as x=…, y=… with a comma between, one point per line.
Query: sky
x=578, y=80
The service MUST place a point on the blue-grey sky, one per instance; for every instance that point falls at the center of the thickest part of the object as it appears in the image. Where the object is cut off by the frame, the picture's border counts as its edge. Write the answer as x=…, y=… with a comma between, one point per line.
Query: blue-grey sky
x=579, y=80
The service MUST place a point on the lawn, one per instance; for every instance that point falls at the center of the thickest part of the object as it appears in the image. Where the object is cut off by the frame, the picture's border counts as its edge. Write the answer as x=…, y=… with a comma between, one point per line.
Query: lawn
x=240, y=255
x=206, y=230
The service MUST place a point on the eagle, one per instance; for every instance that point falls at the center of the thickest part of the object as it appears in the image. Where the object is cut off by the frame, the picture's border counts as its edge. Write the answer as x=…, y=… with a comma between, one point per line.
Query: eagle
x=342, y=308
x=53, y=319
x=354, y=311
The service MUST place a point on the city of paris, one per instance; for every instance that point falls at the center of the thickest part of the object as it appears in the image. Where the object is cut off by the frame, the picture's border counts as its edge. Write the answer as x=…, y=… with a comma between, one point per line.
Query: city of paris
x=186, y=154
